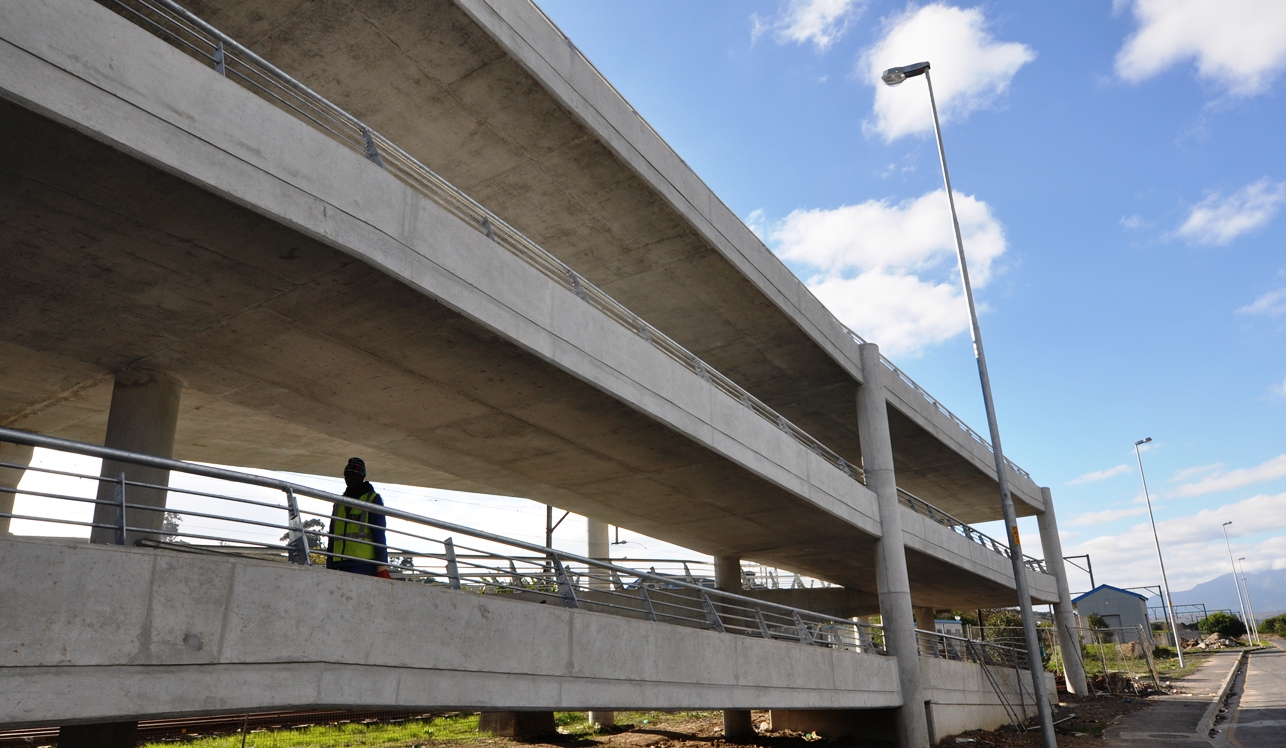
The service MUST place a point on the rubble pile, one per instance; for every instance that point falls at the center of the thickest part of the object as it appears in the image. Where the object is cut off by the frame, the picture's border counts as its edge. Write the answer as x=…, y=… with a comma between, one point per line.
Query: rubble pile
x=1214, y=641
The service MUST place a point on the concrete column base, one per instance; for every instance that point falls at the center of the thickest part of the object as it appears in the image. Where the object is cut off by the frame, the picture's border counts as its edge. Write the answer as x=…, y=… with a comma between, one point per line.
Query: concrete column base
x=868, y=724
x=517, y=724
x=101, y=735
x=737, y=724
x=602, y=719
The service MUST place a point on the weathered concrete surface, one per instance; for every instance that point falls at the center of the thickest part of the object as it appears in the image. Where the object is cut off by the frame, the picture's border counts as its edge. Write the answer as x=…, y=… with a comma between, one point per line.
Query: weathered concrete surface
x=348, y=314
x=494, y=98
x=95, y=633
x=962, y=698
x=1258, y=712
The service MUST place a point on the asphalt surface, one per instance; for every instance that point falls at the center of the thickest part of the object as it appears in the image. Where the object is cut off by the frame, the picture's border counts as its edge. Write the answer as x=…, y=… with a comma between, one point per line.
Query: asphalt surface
x=1258, y=711
x=1174, y=718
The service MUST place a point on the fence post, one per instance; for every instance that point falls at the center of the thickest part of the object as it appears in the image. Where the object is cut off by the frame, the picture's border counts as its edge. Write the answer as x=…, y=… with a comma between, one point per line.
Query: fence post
x=297, y=539
x=453, y=569
x=119, y=490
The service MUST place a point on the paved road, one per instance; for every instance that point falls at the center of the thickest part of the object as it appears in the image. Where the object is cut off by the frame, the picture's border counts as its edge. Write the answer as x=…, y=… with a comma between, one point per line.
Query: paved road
x=1259, y=712
x=1174, y=718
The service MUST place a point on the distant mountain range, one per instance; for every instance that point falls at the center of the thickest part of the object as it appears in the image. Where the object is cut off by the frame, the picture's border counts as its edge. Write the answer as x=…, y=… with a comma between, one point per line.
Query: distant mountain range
x=1267, y=593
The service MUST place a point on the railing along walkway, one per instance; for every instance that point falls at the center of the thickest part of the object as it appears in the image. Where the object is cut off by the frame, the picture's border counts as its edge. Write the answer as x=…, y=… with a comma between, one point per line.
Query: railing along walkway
x=221, y=511
x=180, y=27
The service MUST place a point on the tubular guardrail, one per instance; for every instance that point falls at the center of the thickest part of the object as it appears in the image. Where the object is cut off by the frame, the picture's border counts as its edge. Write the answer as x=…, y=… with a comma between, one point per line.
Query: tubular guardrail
x=261, y=517
x=179, y=26
x=920, y=506
x=948, y=647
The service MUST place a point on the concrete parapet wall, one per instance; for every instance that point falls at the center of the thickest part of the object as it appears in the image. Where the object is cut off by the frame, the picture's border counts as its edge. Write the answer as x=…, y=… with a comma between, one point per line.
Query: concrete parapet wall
x=97, y=633
x=963, y=698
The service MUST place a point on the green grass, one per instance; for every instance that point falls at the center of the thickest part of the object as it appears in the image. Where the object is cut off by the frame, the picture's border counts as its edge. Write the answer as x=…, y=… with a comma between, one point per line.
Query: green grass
x=351, y=735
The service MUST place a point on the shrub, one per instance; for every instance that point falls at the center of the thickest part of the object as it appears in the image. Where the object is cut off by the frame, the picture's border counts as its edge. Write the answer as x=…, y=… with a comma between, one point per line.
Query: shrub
x=1223, y=624
x=1275, y=625
x=1162, y=653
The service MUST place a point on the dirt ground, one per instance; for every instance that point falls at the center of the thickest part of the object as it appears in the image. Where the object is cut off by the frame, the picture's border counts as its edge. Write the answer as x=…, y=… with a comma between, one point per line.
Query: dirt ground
x=1079, y=723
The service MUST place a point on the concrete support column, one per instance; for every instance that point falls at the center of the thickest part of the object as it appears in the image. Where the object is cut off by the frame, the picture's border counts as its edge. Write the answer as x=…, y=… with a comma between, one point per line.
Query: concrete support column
x=924, y=618
x=1064, y=617
x=10, y=477
x=599, y=547
x=890, y=556
x=727, y=577
x=143, y=415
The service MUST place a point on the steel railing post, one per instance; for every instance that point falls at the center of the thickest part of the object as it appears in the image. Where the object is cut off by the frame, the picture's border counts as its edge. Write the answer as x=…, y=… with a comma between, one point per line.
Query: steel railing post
x=647, y=603
x=220, y=59
x=372, y=150
x=712, y=615
x=296, y=538
x=763, y=625
x=119, y=491
x=565, y=588
x=453, y=569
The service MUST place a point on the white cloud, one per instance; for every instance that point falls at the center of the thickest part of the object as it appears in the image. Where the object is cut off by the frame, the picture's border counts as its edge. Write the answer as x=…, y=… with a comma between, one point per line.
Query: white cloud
x=1280, y=388
x=1098, y=475
x=1132, y=222
x=1227, y=481
x=1219, y=219
x=970, y=69
x=1272, y=303
x=888, y=269
x=1107, y=515
x=1190, y=542
x=1195, y=471
x=821, y=22
x=1239, y=44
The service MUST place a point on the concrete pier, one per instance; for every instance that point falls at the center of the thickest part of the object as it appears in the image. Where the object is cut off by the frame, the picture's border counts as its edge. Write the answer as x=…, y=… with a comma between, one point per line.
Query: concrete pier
x=10, y=477
x=890, y=555
x=1064, y=617
x=727, y=577
x=598, y=544
x=143, y=417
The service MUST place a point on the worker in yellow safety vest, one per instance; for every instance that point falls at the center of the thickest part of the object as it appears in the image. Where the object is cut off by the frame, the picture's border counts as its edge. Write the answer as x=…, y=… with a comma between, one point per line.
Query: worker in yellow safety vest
x=357, y=539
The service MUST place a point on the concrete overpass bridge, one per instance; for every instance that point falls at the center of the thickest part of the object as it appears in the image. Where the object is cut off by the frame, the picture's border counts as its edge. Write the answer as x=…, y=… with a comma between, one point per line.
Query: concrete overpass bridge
x=206, y=258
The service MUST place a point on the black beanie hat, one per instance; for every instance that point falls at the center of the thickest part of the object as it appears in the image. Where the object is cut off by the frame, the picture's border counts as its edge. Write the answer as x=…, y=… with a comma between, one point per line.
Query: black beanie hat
x=356, y=465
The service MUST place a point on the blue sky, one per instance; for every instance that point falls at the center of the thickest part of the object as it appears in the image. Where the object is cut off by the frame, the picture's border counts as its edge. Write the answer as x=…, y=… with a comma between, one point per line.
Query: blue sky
x=1120, y=173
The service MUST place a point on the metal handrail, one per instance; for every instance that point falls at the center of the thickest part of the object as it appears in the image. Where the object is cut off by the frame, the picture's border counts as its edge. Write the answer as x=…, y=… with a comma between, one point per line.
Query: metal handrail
x=521, y=570
x=950, y=647
x=236, y=61
x=920, y=506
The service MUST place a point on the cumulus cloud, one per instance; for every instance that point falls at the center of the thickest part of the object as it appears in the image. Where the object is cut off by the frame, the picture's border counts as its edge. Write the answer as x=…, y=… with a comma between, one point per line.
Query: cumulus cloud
x=1272, y=303
x=1239, y=44
x=1219, y=220
x=888, y=269
x=1191, y=541
x=1226, y=481
x=1280, y=388
x=819, y=22
x=1098, y=475
x=970, y=68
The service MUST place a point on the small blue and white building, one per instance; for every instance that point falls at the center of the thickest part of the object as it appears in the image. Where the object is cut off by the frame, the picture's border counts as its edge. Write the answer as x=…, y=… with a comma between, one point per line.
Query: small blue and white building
x=1122, y=610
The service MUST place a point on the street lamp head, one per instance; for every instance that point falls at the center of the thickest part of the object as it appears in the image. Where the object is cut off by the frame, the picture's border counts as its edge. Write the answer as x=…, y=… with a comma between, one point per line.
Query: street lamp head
x=1143, y=441
x=1229, y=522
x=895, y=76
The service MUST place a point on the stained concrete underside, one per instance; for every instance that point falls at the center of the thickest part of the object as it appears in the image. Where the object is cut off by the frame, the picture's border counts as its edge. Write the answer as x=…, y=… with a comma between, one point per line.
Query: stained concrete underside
x=296, y=356
x=430, y=77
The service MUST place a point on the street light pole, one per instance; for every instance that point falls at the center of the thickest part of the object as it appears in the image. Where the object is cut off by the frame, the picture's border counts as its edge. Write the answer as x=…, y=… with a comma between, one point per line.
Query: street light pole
x=1169, y=601
x=893, y=77
x=1254, y=625
x=1240, y=602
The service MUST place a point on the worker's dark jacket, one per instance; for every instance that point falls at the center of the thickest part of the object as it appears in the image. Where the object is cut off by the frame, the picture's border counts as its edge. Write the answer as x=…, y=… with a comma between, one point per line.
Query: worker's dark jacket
x=360, y=548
